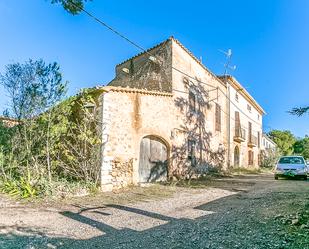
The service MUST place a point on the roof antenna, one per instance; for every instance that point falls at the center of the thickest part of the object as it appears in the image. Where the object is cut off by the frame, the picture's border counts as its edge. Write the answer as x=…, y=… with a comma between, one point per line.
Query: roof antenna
x=227, y=64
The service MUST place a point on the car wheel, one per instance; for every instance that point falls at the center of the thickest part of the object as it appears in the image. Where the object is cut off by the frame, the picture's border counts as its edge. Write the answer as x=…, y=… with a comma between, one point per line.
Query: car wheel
x=276, y=177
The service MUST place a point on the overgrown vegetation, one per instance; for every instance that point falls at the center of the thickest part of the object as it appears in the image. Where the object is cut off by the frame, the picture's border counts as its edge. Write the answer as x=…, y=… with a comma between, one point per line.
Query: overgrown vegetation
x=55, y=143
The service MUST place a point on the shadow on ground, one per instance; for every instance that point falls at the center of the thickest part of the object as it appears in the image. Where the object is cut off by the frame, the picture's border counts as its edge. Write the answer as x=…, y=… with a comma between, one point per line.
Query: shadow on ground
x=236, y=221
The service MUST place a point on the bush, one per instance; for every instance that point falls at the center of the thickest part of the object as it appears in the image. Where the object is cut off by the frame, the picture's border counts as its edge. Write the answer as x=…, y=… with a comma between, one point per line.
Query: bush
x=30, y=167
x=269, y=158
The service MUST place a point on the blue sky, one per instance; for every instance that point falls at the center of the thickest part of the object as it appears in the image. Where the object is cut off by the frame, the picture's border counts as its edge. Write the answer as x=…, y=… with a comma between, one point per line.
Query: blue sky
x=269, y=39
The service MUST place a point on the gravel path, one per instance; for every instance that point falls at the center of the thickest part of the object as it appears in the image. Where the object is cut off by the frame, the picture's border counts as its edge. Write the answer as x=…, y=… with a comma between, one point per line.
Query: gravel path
x=239, y=212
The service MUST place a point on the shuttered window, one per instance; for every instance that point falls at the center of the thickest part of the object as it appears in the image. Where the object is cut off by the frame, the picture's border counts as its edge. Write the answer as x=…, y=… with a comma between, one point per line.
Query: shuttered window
x=218, y=117
x=250, y=132
x=191, y=151
x=237, y=125
x=250, y=157
x=192, y=101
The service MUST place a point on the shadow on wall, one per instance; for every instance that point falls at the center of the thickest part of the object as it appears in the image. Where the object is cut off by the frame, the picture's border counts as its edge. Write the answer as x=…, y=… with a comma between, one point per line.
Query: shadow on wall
x=158, y=172
x=143, y=73
x=153, y=161
x=195, y=155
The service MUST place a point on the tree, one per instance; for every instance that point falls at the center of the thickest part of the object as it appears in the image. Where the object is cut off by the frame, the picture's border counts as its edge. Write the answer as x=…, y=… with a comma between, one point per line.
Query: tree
x=284, y=139
x=301, y=147
x=33, y=88
x=72, y=6
x=299, y=111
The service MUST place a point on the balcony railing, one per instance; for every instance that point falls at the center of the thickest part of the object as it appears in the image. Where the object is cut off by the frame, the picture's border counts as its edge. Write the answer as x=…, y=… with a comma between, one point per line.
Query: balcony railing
x=253, y=141
x=240, y=134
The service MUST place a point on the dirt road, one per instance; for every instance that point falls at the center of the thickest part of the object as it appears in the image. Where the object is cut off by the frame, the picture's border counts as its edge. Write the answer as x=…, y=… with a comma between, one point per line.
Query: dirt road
x=252, y=211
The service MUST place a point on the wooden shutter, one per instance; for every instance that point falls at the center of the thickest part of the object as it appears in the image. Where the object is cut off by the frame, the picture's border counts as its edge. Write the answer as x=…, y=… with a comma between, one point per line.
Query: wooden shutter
x=192, y=101
x=250, y=157
x=218, y=117
x=237, y=125
x=250, y=132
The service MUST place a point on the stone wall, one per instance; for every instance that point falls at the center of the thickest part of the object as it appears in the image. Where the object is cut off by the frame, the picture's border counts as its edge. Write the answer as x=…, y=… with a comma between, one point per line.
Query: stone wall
x=209, y=91
x=122, y=173
x=128, y=116
x=142, y=72
x=151, y=98
x=8, y=122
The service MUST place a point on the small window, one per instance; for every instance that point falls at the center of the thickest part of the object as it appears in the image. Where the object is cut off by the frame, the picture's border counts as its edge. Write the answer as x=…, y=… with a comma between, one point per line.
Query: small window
x=236, y=97
x=258, y=116
x=192, y=101
x=191, y=151
x=185, y=80
x=218, y=117
x=249, y=108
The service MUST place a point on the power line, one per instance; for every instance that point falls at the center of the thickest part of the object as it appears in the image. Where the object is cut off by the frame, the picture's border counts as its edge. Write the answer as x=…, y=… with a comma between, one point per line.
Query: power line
x=129, y=40
x=144, y=50
x=109, y=27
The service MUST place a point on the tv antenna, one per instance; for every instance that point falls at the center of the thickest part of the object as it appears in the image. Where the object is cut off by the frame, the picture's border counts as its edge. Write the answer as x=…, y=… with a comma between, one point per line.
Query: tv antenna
x=227, y=65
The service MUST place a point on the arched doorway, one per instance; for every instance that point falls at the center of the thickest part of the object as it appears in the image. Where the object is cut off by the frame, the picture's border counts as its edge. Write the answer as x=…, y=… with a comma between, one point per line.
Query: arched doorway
x=236, y=156
x=153, y=160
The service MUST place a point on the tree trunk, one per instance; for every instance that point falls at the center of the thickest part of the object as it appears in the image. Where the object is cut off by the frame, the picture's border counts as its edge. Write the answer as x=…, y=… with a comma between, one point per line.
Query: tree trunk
x=48, y=148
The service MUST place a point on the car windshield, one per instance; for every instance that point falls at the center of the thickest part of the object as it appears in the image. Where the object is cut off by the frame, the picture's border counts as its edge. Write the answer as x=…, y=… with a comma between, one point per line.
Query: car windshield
x=291, y=160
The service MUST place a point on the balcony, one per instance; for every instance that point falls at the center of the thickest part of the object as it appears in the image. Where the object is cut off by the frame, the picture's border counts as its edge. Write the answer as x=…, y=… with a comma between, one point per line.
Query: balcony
x=240, y=135
x=253, y=141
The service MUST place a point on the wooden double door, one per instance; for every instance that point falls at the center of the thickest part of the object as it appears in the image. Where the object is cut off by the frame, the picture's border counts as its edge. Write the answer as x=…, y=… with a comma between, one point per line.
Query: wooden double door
x=153, y=160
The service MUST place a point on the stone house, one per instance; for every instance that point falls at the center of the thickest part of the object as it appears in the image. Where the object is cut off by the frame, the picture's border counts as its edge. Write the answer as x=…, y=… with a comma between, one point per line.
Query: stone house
x=267, y=143
x=268, y=147
x=245, y=122
x=8, y=122
x=166, y=115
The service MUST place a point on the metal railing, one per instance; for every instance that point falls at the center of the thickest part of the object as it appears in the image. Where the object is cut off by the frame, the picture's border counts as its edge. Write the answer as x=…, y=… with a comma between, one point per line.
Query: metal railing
x=240, y=133
x=253, y=140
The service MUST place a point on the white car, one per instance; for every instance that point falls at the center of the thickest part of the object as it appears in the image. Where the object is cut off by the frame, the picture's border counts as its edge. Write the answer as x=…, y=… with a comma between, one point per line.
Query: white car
x=291, y=166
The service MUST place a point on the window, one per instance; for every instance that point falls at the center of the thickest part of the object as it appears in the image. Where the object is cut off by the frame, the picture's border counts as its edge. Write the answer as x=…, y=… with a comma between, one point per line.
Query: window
x=192, y=101
x=250, y=132
x=185, y=80
x=236, y=97
x=191, y=151
x=250, y=157
x=237, y=125
x=259, y=144
x=218, y=117
x=258, y=116
x=249, y=108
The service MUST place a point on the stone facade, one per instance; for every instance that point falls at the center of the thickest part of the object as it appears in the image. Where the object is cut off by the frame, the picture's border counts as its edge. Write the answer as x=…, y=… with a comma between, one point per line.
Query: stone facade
x=9, y=122
x=245, y=125
x=165, y=104
x=128, y=116
x=267, y=143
